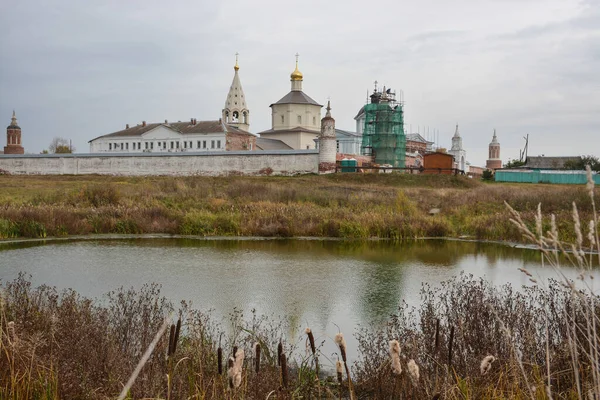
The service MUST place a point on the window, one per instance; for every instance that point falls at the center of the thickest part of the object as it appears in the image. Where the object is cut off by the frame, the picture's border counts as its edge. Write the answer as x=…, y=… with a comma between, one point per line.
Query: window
x=139, y=145
x=218, y=144
x=282, y=119
x=337, y=146
x=236, y=116
x=121, y=146
x=172, y=145
x=151, y=145
x=212, y=144
x=177, y=144
x=146, y=145
x=165, y=145
x=110, y=146
x=245, y=114
x=204, y=144
x=299, y=119
x=185, y=145
x=314, y=120
x=198, y=144
x=226, y=116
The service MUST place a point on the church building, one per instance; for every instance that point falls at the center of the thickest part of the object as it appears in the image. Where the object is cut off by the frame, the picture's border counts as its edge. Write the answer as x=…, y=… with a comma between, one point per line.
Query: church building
x=13, y=138
x=494, y=161
x=460, y=155
x=295, y=118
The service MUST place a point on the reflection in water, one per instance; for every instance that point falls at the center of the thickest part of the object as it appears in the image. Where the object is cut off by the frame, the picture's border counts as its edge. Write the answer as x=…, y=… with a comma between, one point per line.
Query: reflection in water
x=312, y=282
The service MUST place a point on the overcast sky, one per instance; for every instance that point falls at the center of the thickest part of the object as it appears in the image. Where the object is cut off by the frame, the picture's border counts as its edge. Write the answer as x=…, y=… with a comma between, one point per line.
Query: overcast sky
x=81, y=69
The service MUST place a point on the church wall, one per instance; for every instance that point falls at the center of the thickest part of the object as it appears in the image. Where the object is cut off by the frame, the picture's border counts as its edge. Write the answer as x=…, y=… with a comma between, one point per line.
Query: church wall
x=309, y=113
x=291, y=139
x=288, y=162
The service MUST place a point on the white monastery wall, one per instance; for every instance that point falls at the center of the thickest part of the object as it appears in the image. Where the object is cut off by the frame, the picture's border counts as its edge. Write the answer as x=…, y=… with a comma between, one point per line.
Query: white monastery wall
x=282, y=162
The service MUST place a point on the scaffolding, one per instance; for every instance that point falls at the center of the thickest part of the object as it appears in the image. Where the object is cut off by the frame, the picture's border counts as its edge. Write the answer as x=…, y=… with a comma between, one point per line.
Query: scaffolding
x=383, y=134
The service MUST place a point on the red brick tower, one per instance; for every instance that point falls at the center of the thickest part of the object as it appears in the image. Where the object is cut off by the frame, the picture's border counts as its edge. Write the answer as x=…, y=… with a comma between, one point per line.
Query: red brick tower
x=494, y=162
x=13, y=138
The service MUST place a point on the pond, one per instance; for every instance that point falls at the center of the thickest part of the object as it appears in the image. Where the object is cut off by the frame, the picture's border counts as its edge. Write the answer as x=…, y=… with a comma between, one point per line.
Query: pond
x=318, y=283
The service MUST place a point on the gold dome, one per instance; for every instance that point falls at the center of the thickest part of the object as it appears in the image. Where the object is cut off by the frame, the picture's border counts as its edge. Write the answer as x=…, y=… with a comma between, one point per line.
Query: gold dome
x=296, y=75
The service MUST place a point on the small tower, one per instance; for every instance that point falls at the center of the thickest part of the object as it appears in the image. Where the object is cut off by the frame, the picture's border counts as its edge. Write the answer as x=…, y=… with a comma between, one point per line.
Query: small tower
x=13, y=137
x=460, y=155
x=296, y=77
x=327, y=144
x=236, y=112
x=494, y=162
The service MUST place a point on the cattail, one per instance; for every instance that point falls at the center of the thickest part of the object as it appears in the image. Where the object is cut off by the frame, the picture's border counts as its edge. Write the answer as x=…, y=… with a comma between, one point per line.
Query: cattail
x=486, y=364
x=231, y=371
x=220, y=360
x=234, y=373
x=341, y=342
x=413, y=371
x=339, y=369
x=171, y=337
x=395, y=357
x=257, y=356
x=311, y=340
x=176, y=338
x=279, y=352
x=284, y=371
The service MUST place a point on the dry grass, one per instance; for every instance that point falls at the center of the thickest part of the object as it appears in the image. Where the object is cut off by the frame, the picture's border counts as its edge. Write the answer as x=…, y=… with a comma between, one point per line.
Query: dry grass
x=343, y=205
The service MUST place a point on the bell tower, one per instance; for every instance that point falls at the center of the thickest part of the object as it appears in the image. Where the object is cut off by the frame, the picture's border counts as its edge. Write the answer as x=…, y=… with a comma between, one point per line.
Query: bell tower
x=494, y=161
x=13, y=137
x=236, y=111
x=327, y=143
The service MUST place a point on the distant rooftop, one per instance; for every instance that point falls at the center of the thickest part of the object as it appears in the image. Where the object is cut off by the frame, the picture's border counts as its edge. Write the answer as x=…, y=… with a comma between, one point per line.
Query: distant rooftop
x=542, y=162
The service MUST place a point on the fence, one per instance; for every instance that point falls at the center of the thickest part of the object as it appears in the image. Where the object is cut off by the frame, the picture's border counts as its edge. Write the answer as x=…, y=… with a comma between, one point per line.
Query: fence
x=555, y=177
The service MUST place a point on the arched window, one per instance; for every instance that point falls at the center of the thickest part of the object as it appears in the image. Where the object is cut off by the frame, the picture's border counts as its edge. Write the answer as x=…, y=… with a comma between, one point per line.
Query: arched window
x=226, y=116
x=236, y=116
x=299, y=119
x=245, y=115
x=282, y=119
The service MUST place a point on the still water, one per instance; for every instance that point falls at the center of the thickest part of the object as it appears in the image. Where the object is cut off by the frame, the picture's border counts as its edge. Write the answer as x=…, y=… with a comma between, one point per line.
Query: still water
x=313, y=283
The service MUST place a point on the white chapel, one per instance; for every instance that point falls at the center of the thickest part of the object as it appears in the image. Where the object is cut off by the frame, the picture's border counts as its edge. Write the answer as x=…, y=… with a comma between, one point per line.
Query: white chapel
x=295, y=118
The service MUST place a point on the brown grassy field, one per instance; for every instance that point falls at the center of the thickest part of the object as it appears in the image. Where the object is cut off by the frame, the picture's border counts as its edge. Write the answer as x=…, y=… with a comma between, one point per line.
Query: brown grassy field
x=343, y=205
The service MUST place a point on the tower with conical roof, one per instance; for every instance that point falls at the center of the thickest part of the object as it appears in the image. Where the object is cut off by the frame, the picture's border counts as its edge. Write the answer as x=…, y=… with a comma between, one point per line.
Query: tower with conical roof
x=460, y=155
x=494, y=161
x=295, y=118
x=327, y=143
x=13, y=137
x=236, y=111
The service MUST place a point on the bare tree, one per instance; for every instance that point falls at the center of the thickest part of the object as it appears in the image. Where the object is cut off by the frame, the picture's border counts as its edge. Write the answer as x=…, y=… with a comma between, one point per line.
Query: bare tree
x=60, y=145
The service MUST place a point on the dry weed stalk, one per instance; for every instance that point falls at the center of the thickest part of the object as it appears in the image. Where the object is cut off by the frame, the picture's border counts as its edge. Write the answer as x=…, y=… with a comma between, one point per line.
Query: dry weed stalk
x=413, y=372
x=395, y=357
x=486, y=364
x=341, y=342
x=581, y=340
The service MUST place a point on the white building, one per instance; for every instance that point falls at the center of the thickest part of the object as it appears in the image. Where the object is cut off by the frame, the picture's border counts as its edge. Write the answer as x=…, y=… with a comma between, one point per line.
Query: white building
x=460, y=155
x=347, y=142
x=236, y=111
x=296, y=118
x=174, y=137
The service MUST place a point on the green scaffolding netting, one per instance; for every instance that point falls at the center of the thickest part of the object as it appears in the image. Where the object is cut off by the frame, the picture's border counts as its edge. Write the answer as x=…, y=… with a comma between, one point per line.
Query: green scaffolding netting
x=383, y=135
